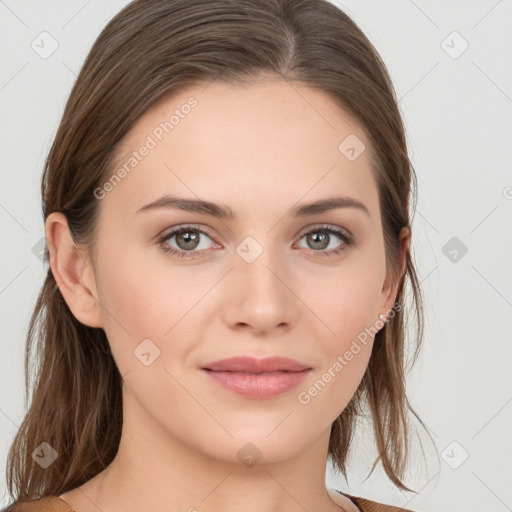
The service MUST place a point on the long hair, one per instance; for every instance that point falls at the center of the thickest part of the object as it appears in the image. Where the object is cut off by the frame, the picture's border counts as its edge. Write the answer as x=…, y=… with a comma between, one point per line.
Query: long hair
x=150, y=49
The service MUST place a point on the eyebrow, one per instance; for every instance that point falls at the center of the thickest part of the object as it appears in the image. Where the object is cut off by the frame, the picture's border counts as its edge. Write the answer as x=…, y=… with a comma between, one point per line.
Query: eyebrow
x=225, y=213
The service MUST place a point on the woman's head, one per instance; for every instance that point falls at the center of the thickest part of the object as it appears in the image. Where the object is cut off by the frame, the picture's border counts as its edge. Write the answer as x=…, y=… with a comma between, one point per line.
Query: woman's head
x=260, y=108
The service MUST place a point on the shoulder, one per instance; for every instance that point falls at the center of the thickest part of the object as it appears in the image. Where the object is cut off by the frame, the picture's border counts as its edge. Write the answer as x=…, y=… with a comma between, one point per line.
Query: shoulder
x=45, y=504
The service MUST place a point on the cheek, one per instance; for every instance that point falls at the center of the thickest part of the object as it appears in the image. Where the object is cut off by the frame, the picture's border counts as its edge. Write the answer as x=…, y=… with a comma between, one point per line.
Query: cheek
x=133, y=304
x=347, y=305
x=141, y=300
x=346, y=301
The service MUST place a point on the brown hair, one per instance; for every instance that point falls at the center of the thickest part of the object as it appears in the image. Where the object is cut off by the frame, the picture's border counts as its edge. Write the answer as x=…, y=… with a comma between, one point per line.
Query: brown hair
x=149, y=49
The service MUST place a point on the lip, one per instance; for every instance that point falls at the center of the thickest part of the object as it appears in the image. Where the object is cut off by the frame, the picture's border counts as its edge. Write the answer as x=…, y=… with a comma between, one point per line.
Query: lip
x=249, y=364
x=257, y=378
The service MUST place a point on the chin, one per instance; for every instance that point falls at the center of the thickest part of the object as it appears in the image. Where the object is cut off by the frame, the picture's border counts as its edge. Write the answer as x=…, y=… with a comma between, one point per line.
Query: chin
x=255, y=446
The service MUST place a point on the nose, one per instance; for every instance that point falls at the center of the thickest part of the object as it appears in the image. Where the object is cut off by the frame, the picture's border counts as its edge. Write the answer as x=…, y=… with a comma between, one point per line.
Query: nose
x=261, y=295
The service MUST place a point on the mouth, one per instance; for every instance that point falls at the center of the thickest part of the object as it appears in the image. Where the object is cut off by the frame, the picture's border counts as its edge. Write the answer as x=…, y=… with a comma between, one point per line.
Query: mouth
x=257, y=379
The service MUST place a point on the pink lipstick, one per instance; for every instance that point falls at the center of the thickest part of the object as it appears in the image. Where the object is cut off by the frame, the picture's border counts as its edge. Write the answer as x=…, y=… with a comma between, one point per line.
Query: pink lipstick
x=258, y=379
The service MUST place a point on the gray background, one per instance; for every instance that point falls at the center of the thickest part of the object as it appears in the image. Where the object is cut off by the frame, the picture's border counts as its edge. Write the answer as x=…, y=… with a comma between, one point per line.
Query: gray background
x=457, y=110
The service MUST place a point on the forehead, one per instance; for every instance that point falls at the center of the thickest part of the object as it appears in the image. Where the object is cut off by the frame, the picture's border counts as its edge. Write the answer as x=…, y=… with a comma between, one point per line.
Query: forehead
x=272, y=141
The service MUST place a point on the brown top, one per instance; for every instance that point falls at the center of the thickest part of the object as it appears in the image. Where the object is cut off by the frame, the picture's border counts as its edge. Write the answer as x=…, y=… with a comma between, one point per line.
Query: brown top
x=56, y=504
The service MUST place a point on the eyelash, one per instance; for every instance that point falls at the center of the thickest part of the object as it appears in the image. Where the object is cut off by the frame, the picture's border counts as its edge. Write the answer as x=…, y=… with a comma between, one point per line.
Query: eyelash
x=347, y=242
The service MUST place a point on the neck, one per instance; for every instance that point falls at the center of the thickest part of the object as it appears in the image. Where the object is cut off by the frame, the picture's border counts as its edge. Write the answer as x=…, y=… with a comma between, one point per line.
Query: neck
x=154, y=470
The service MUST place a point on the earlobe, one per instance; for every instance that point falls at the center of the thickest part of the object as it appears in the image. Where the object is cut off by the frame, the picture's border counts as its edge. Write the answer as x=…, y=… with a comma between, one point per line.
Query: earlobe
x=72, y=271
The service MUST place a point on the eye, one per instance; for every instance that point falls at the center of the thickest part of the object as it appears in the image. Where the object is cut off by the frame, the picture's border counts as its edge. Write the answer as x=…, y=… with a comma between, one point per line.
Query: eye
x=188, y=241
x=321, y=237
x=188, y=238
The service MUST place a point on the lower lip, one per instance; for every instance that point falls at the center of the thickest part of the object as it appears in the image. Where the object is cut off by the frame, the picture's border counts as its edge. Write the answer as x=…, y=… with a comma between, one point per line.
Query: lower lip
x=258, y=386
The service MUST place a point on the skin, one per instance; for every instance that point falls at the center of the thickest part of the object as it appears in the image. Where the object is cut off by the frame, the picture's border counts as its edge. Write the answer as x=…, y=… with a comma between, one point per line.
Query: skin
x=182, y=432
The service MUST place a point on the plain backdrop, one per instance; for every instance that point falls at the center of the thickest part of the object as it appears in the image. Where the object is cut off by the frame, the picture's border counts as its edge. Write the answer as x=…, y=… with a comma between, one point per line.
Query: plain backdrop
x=450, y=62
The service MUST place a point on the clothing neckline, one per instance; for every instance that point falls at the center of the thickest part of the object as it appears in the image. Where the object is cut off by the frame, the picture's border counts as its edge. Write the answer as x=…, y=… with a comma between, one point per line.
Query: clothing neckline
x=353, y=499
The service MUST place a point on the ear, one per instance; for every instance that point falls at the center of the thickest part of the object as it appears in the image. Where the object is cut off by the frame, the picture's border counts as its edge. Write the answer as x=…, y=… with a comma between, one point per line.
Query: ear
x=73, y=271
x=390, y=287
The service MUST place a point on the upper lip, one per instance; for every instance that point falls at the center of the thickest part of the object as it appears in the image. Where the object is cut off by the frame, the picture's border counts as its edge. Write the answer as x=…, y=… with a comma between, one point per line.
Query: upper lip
x=254, y=365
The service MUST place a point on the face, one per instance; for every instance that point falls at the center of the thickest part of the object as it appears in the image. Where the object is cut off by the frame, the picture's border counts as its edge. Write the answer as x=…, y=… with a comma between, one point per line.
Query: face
x=273, y=279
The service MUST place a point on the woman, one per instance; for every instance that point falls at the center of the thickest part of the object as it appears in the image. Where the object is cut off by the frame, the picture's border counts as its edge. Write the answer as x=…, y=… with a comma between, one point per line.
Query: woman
x=226, y=205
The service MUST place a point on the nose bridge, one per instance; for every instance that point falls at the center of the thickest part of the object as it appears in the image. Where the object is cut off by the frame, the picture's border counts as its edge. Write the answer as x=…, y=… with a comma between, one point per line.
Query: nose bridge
x=261, y=295
x=257, y=262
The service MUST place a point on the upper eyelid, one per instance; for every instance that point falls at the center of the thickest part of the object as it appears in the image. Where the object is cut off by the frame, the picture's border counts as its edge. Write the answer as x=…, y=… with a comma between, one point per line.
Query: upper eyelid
x=319, y=227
